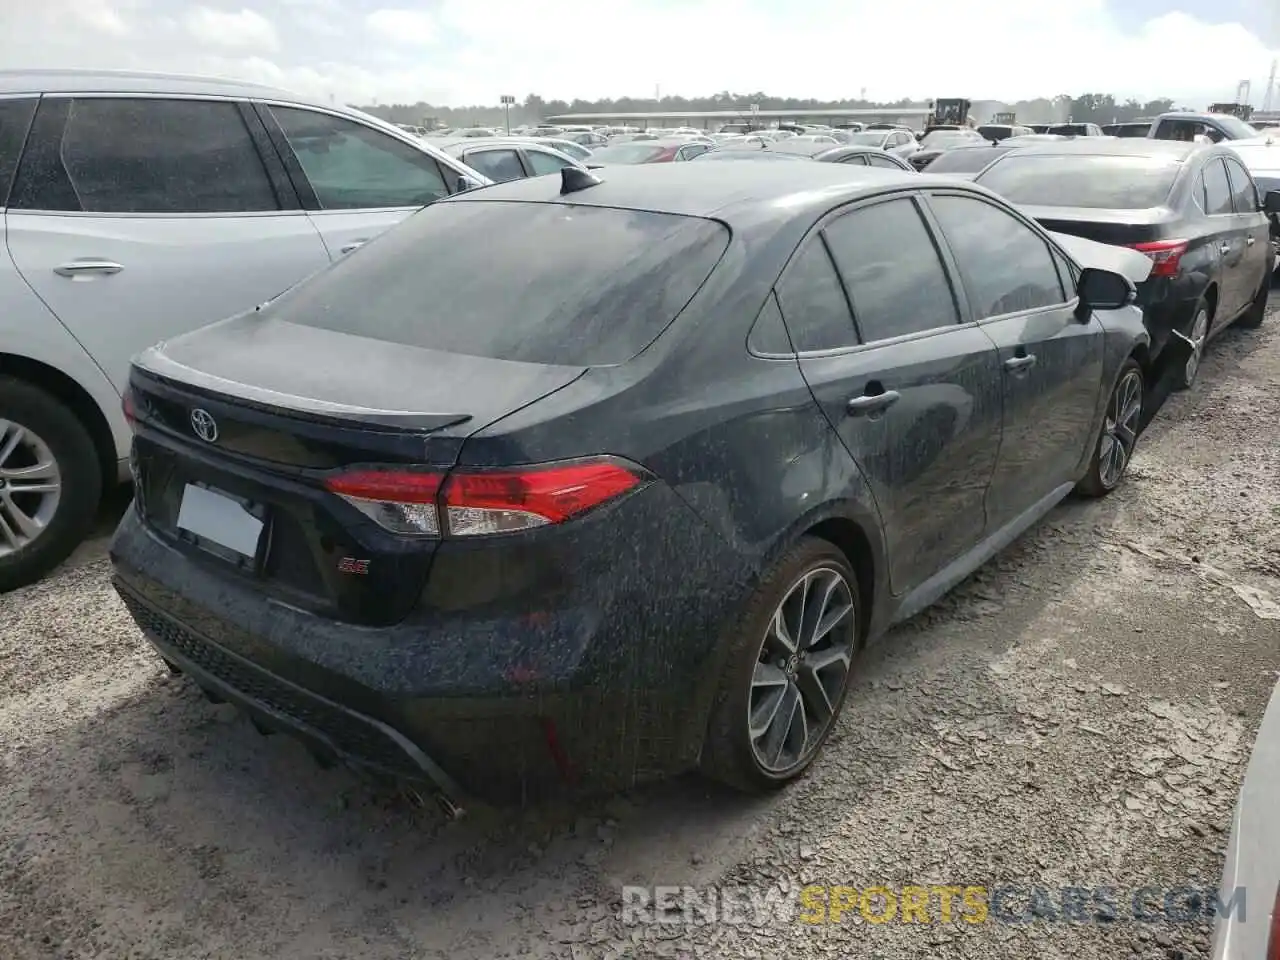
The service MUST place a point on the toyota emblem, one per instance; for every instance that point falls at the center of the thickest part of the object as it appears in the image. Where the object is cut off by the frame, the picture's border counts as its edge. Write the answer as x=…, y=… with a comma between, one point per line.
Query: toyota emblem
x=205, y=427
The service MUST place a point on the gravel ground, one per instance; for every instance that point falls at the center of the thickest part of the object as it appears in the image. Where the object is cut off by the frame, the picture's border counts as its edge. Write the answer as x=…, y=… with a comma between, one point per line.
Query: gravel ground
x=1078, y=712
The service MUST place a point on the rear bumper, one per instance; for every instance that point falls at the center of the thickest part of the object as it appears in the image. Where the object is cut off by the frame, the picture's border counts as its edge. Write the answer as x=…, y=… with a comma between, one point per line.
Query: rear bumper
x=586, y=693
x=328, y=729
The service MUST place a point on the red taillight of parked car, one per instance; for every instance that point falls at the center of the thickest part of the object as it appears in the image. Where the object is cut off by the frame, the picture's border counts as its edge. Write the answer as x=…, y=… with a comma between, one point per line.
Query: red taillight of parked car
x=1165, y=256
x=127, y=407
x=1273, y=938
x=469, y=503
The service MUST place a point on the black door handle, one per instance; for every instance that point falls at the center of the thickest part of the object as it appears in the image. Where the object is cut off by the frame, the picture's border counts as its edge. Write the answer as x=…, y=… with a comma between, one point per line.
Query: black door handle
x=1019, y=363
x=871, y=403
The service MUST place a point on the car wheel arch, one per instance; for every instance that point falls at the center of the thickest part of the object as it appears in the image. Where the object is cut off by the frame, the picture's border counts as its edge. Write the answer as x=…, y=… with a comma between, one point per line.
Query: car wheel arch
x=75, y=397
x=1211, y=298
x=853, y=527
x=1141, y=352
x=851, y=539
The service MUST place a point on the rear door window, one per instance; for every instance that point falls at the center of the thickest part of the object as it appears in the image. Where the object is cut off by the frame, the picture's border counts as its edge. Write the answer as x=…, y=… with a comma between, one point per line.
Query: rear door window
x=813, y=301
x=1244, y=194
x=856, y=158
x=875, y=161
x=15, y=120
x=545, y=163
x=150, y=155
x=355, y=167
x=1007, y=266
x=498, y=165
x=556, y=284
x=892, y=271
x=1217, y=189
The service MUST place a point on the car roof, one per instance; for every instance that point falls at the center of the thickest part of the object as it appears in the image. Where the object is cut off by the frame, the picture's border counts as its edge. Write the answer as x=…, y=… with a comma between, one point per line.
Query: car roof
x=752, y=153
x=1193, y=115
x=724, y=191
x=1261, y=154
x=849, y=149
x=514, y=140
x=1116, y=147
x=135, y=81
x=661, y=141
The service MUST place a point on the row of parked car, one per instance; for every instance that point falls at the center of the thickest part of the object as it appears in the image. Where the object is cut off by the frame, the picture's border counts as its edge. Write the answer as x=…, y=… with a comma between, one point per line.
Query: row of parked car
x=1212, y=249
x=583, y=477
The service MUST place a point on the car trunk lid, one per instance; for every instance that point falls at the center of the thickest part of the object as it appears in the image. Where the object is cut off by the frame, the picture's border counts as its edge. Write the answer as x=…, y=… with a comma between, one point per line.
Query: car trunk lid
x=238, y=426
x=279, y=385
x=1117, y=227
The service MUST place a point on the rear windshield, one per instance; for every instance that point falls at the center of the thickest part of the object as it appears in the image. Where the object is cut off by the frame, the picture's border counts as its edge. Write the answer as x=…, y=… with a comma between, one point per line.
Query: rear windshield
x=537, y=282
x=638, y=151
x=1127, y=130
x=872, y=139
x=964, y=159
x=942, y=138
x=1097, y=182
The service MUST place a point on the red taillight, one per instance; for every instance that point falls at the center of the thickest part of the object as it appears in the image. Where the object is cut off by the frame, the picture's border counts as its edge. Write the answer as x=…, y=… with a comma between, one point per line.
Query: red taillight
x=1273, y=939
x=127, y=407
x=1165, y=256
x=476, y=503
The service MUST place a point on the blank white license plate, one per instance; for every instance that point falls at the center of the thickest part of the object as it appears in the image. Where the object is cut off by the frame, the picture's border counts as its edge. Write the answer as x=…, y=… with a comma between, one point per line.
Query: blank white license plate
x=219, y=519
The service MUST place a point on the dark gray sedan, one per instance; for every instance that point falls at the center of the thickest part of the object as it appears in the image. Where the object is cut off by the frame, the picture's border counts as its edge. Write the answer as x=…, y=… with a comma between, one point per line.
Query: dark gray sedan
x=715, y=427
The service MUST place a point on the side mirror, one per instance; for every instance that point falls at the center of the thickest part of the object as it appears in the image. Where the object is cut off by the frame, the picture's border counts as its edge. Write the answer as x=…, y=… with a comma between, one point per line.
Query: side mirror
x=467, y=183
x=1104, y=290
x=1271, y=202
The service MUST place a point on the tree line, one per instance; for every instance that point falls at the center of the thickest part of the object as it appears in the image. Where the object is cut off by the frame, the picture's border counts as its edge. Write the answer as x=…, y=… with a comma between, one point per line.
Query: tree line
x=1089, y=107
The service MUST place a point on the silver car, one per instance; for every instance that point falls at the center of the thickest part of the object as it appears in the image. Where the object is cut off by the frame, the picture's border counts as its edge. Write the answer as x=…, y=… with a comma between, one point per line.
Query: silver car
x=1251, y=931
x=507, y=158
x=137, y=207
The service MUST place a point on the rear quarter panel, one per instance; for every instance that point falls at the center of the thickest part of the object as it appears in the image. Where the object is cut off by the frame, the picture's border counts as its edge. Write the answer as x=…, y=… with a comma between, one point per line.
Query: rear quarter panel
x=738, y=437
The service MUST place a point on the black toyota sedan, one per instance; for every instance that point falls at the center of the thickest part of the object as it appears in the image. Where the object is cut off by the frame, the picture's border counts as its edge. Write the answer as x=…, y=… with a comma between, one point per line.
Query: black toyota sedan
x=632, y=503
x=1194, y=210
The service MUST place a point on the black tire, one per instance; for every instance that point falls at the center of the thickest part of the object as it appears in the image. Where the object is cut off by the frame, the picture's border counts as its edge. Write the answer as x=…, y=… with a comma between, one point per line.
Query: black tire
x=727, y=753
x=81, y=477
x=1252, y=318
x=1098, y=482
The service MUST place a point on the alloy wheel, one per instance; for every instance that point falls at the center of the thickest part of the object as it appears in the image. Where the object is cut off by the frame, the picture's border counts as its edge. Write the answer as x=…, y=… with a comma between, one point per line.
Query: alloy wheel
x=1120, y=429
x=801, y=671
x=1199, y=333
x=30, y=487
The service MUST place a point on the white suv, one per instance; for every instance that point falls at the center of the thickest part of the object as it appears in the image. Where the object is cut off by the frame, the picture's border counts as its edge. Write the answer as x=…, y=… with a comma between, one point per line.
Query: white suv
x=136, y=207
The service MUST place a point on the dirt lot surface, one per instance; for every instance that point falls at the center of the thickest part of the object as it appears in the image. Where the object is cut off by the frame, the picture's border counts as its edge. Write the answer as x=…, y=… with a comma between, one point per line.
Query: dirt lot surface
x=1078, y=712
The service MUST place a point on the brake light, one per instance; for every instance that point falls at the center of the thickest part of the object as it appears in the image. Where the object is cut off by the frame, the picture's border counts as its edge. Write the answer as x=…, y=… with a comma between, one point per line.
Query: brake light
x=127, y=407
x=482, y=502
x=1273, y=939
x=1165, y=256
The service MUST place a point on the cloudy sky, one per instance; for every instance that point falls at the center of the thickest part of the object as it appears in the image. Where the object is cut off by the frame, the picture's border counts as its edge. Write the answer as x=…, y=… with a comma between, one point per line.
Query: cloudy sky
x=455, y=52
